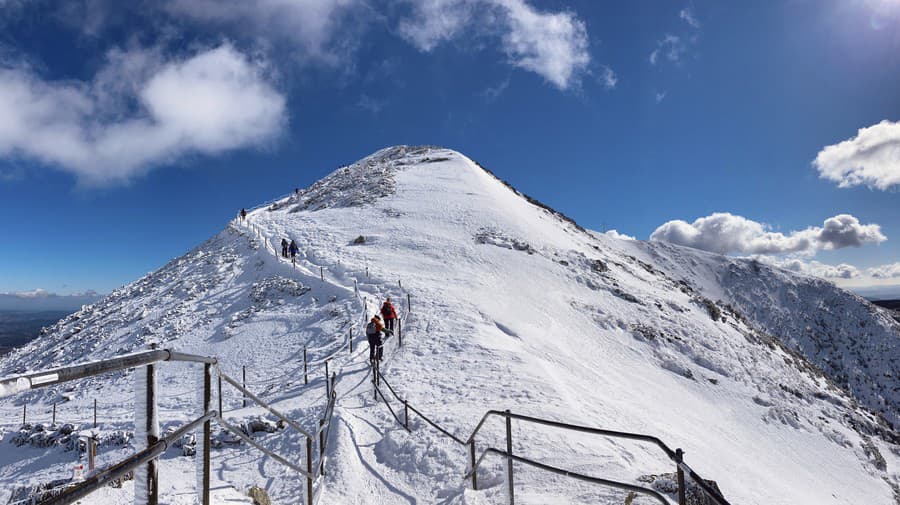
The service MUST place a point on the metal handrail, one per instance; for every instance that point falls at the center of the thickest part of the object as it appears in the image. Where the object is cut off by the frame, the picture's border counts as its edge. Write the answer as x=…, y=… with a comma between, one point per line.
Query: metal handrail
x=265, y=451
x=264, y=405
x=103, y=477
x=675, y=455
x=23, y=382
x=566, y=473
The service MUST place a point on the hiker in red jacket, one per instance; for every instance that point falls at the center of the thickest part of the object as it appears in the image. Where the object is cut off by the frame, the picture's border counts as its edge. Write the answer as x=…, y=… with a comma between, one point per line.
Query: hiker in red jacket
x=389, y=314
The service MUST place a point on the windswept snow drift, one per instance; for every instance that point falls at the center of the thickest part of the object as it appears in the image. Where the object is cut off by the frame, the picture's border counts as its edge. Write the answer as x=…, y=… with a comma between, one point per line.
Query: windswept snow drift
x=780, y=387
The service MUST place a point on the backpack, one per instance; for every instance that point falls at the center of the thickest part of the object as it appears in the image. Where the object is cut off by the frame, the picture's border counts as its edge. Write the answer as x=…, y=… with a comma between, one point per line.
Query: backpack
x=371, y=329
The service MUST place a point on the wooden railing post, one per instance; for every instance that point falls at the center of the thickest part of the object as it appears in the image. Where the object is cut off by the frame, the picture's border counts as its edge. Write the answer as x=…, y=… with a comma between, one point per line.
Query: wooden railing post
x=207, y=429
x=679, y=458
x=509, y=461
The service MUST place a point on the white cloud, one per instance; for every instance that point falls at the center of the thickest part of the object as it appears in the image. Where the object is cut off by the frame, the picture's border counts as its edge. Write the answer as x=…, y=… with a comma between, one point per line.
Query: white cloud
x=552, y=45
x=726, y=234
x=815, y=268
x=670, y=47
x=891, y=271
x=608, y=77
x=687, y=15
x=660, y=96
x=316, y=27
x=621, y=236
x=492, y=93
x=138, y=112
x=871, y=158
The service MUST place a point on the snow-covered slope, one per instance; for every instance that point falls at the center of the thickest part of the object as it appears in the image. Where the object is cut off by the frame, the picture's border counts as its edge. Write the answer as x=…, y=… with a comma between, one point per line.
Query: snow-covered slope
x=779, y=387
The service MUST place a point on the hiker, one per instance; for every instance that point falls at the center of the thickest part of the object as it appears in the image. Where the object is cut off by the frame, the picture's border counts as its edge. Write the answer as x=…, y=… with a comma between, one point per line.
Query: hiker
x=294, y=249
x=373, y=335
x=389, y=314
x=243, y=215
x=284, y=248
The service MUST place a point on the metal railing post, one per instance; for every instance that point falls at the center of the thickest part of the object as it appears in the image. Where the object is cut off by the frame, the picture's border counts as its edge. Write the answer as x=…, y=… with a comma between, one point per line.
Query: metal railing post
x=207, y=429
x=375, y=378
x=333, y=377
x=474, y=470
x=151, y=420
x=400, y=332
x=406, y=415
x=679, y=458
x=408, y=303
x=305, y=375
x=54, y=414
x=309, y=481
x=221, y=411
x=322, y=274
x=321, y=443
x=95, y=412
x=351, y=340
x=327, y=381
x=509, y=461
x=244, y=383
x=24, y=412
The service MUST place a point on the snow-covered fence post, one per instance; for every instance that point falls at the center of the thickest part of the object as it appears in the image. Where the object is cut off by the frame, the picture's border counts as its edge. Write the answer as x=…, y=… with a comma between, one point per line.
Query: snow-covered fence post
x=207, y=429
x=95, y=412
x=221, y=411
x=322, y=274
x=327, y=377
x=244, y=383
x=54, y=415
x=400, y=283
x=400, y=332
x=408, y=303
x=509, y=461
x=474, y=471
x=322, y=443
x=406, y=415
x=305, y=374
x=679, y=458
x=146, y=423
x=24, y=412
x=351, y=340
x=309, y=481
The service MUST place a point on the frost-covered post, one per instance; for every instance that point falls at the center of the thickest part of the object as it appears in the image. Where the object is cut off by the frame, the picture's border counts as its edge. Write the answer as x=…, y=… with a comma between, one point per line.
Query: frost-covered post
x=679, y=458
x=305, y=374
x=509, y=461
x=474, y=471
x=146, y=425
x=207, y=429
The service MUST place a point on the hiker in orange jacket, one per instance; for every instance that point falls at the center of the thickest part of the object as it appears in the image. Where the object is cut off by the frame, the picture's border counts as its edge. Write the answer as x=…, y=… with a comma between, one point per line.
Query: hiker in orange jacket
x=389, y=314
x=374, y=335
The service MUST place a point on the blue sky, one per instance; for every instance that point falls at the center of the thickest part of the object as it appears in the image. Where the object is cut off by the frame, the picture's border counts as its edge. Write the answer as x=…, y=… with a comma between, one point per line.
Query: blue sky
x=131, y=134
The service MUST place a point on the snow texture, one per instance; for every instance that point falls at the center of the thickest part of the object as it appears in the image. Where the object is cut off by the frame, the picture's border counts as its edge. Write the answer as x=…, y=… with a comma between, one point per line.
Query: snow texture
x=780, y=387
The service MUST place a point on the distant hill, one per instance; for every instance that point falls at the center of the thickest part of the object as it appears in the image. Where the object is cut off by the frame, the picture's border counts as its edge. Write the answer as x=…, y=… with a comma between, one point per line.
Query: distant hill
x=19, y=327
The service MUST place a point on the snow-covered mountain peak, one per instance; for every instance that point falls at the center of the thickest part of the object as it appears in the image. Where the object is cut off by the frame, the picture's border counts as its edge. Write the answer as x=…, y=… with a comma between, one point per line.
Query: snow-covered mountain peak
x=780, y=387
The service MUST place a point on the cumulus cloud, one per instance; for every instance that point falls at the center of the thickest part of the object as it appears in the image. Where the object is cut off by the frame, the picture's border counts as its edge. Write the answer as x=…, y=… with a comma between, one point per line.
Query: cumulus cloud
x=727, y=233
x=871, y=158
x=316, y=27
x=815, y=268
x=891, y=271
x=553, y=45
x=621, y=236
x=138, y=112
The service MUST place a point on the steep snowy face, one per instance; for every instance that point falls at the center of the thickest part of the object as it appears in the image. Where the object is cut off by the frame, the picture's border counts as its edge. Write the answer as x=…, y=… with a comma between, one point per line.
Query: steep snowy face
x=853, y=342
x=774, y=384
